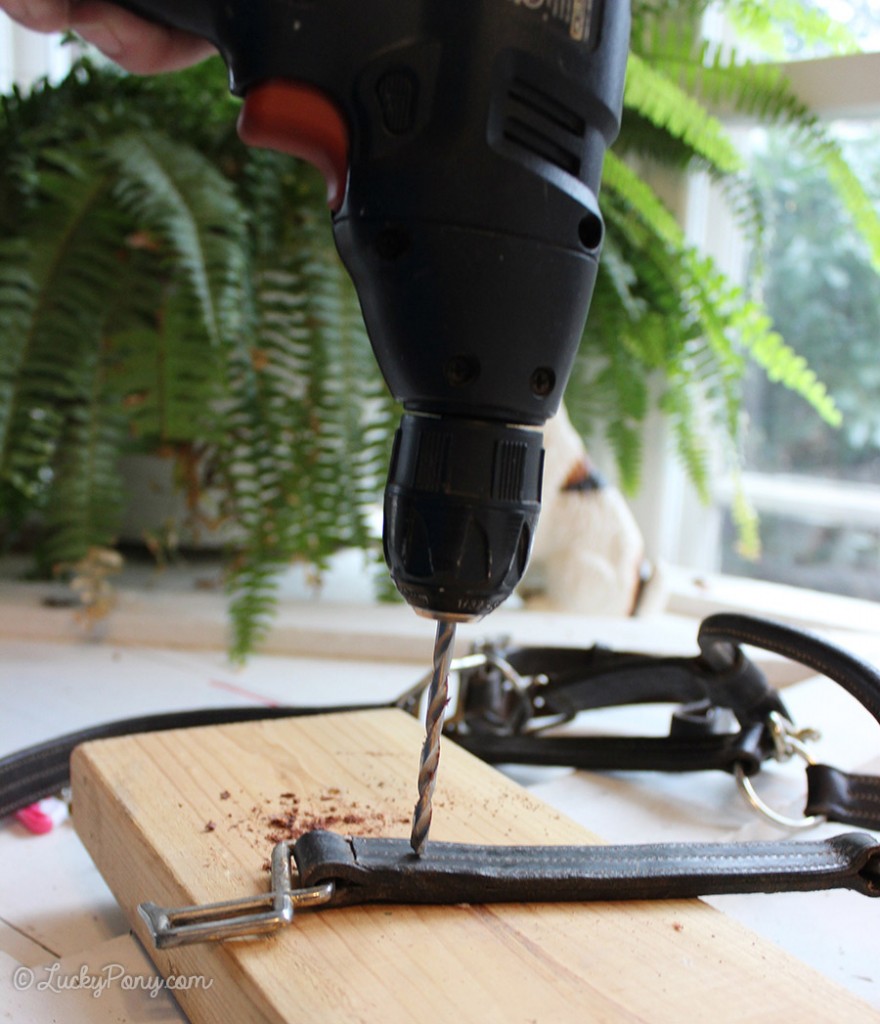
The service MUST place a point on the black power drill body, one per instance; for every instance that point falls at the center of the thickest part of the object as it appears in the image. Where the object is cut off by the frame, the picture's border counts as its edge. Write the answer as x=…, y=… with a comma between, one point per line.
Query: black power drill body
x=462, y=142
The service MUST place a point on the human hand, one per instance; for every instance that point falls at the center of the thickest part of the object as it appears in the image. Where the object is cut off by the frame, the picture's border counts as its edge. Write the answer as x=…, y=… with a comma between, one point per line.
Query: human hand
x=137, y=45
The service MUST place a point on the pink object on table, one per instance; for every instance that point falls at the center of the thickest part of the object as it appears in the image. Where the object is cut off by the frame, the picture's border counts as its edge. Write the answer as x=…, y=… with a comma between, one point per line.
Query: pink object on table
x=35, y=819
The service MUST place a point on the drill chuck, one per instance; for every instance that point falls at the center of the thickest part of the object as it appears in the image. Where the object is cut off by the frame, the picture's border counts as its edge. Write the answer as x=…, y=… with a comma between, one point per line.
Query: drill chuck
x=461, y=507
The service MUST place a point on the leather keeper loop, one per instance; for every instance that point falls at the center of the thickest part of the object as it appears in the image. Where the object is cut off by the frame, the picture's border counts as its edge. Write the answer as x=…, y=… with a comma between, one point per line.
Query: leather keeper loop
x=839, y=796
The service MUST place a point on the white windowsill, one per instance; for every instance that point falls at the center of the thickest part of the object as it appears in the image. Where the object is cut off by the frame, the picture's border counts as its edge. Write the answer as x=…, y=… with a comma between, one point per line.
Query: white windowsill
x=173, y=609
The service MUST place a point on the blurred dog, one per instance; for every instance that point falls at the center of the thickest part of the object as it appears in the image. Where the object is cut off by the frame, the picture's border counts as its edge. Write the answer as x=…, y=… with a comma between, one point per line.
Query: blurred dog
x=588, y=555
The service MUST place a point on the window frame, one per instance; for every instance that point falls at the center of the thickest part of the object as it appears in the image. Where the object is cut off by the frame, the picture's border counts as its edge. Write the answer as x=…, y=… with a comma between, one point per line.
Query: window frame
x=688, y=533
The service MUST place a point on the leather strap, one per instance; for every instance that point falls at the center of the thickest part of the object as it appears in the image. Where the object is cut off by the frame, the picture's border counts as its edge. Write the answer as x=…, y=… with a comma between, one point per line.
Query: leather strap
x=720, y=725
x=748, y=747
x=502, y=723
x=368, y=870
x=720, y=635
x=839, y=796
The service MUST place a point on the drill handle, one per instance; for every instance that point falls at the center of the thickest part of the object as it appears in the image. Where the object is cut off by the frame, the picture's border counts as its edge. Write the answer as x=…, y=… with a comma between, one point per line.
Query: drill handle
x=287, y=114
x=462, y=144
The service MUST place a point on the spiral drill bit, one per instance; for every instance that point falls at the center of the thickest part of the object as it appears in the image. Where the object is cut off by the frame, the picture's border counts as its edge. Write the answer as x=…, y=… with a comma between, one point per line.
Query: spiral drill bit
x=437, y=701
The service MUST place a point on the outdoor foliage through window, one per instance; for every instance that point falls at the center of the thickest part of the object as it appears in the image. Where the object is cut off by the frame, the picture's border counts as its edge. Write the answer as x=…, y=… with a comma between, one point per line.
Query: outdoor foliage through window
x=818, y=283
x=824, y=295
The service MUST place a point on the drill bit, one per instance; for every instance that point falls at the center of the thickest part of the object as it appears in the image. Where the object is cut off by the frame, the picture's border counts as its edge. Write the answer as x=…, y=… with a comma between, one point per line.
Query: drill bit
x=437, y=701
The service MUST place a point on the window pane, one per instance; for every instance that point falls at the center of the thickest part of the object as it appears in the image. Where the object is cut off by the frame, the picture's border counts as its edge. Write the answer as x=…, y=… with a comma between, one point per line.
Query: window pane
x=824, y=296
x=815, y=276
x=834, y=559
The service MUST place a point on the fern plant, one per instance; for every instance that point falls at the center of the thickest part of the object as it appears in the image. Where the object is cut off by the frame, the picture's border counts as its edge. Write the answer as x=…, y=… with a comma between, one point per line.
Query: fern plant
x=183, y=297
x=662, y=311
x=164, y=289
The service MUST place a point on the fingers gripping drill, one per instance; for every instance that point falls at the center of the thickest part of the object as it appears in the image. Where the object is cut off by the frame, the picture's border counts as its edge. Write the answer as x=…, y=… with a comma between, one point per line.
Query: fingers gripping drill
x=462, y=144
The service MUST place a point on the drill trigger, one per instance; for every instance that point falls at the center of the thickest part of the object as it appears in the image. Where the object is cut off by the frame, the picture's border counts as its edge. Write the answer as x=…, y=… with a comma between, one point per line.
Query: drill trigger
x=302, y=121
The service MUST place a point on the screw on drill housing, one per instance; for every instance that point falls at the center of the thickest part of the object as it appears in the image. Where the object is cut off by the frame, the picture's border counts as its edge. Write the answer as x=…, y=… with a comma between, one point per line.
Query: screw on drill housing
x=461, y=370
x=543, y=381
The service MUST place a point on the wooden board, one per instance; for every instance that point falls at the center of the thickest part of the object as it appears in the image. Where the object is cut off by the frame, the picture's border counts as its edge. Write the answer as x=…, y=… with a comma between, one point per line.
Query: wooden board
x=191, y=816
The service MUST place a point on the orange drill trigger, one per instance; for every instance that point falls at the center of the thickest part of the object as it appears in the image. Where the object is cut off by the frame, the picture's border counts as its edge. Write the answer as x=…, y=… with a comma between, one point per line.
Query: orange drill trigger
x=300, y=120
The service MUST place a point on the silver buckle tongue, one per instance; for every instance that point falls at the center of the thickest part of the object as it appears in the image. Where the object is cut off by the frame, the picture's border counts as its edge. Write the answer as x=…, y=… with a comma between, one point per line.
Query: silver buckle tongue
x=240, y=918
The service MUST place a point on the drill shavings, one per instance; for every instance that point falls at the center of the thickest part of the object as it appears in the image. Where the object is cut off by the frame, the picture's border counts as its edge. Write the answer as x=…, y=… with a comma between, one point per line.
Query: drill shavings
x=290, y=815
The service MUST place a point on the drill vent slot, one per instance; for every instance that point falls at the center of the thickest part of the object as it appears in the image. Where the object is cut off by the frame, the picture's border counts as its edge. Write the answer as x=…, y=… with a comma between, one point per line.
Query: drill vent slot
x=546, y=127
x=541, y=103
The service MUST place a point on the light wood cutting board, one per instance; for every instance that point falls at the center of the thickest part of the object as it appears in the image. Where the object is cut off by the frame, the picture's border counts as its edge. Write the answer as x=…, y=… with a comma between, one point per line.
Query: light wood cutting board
x=191, y=816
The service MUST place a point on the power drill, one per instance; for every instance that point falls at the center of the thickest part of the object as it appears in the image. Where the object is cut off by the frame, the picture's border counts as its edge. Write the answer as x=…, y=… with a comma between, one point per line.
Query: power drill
x=462, y=142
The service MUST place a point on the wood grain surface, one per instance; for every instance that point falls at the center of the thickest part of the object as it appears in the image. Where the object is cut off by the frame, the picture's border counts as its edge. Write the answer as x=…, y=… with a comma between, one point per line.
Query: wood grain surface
x=191, y=816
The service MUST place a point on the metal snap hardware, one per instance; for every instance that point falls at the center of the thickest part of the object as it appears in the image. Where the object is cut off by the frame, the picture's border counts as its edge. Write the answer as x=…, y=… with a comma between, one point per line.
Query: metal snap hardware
x=788, y=742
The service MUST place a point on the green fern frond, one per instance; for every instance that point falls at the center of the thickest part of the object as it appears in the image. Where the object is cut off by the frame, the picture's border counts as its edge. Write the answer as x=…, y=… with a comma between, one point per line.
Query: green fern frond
x=84, y=502
x=175, y=192
x=732, y=320
x=253, y=602
x=719, y=78
x=304, y=396
x=619, y=276
x=659, y=99
x=674, y=312
x=680, y=403
x=612, y=390
x=648, y=209
x=61, y=436
x=863, y=211
x=355, y=429
x=70, y=262
x=745, y=521
x=168, y=375
x=18, y=293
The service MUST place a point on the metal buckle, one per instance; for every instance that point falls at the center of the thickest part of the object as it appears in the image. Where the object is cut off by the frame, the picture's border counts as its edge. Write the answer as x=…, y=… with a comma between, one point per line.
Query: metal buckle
x=234, y=919
x=787, y=742
x=485, y=658
x=485, y=655
x=410, y=699
x=480, y=656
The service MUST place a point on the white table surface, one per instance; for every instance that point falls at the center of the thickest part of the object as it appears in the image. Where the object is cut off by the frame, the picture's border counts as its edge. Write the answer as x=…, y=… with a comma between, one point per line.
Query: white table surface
x=60, y=926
